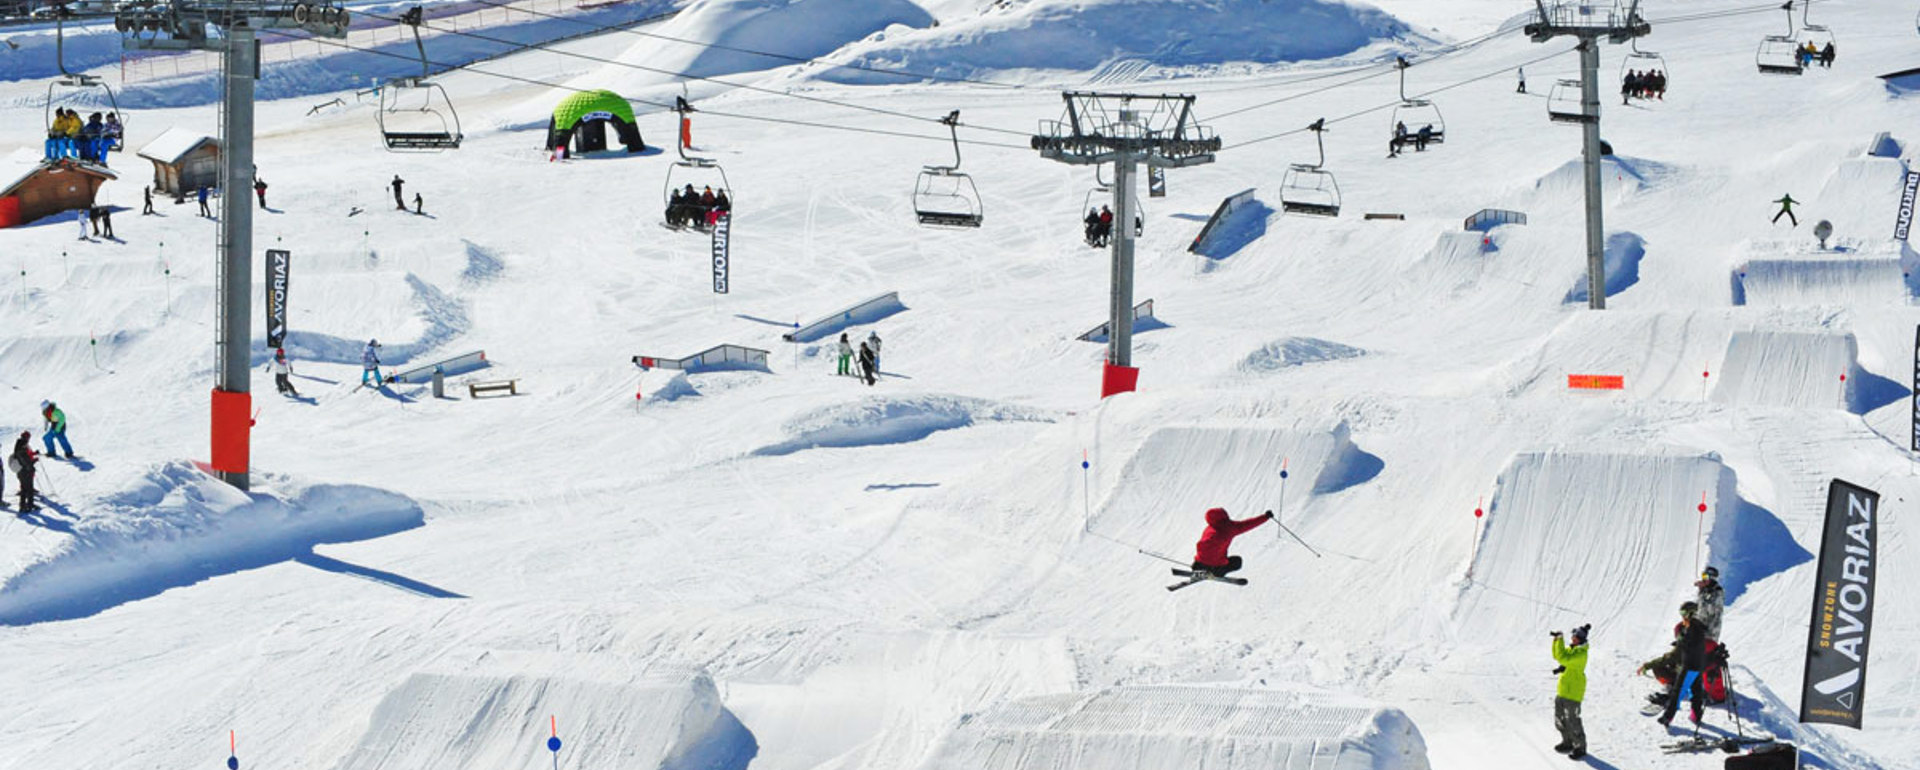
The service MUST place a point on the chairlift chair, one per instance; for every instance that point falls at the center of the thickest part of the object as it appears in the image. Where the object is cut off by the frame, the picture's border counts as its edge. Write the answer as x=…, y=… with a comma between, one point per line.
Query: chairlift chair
x=942, y=195
x=1564, y=103
x=1817, y=34
x=416, y=115
x=1416, y=113
x=1308, y=188
x=695, y=171
x=1780, y=54
x=74, y=84
x=1642, y=62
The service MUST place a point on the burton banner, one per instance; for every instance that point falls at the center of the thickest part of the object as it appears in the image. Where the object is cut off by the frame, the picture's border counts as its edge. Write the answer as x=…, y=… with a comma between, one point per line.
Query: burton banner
x=278, y=261
x=721, y=227
x=1835, y=686
x=1914, y=395
x=1904, y=222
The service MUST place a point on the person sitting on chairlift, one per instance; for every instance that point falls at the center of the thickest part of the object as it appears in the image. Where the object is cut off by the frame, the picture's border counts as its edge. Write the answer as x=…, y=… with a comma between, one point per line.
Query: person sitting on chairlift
x=1421, y=139
x=1399, y=139
x=1092, y=223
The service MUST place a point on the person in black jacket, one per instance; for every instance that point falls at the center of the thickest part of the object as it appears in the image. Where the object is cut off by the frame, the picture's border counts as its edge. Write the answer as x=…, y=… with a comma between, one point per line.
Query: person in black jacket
x=866, y=363
x=23, y=459
x=1691, y=643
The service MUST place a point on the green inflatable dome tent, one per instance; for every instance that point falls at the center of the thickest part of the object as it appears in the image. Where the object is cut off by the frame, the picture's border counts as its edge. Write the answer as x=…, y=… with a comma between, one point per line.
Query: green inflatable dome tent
x=581, y=120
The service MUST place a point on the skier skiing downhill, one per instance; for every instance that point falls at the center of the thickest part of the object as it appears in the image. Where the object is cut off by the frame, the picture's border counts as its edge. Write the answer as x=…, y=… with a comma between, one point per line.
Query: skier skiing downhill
x=56, y=429
x=1210, y=554
x=282, y=370
x=370, y=364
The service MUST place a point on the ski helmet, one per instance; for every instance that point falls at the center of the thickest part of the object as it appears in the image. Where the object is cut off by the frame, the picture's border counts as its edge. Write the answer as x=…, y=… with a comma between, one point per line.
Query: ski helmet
x=1688, y=608
x=45, y=405
x=1711, y=573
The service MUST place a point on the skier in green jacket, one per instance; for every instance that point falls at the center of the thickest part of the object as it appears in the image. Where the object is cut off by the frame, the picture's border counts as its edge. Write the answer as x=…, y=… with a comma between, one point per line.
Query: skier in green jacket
x=56, y=429
x=1786, y=210
x=1572, y=690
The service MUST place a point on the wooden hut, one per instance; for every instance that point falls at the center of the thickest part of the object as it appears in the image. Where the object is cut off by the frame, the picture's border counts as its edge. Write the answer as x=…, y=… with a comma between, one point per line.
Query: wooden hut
x=183, y=161
x=31, y=191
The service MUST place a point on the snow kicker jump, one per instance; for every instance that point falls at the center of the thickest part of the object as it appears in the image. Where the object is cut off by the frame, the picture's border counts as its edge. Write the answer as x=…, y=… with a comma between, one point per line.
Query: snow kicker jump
x=1149, y=728
x=1789, y=275
x=1809, y=370
x=865, y=312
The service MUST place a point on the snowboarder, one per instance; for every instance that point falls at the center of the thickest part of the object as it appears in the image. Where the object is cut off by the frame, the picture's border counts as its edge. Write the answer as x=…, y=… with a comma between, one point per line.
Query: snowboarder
x=1786, y=210
x=106, y=222
x=1571, y=691
x=370, y=364
x=846, y=355
x=1522, y=74
x=56, y=429
x=146, y=194
x=204, y=211
x=417, y=207
x=260, y=190
x=873, y=341
x=1691, y=643
x=22, y=461
x=1210, y=554
x=1712, y=601
x=398, y=202
x=866, y=363
x=282, y=371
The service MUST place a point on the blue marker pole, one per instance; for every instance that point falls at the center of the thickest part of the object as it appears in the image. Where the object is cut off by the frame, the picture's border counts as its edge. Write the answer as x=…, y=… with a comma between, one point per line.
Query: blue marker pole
x=1280, y=512
x=233, y=756
x=1086, y=486
x=553, y=743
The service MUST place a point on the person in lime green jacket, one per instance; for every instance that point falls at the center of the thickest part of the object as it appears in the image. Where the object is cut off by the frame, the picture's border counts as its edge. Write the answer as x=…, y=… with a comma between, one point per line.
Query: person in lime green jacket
x=1573, y=689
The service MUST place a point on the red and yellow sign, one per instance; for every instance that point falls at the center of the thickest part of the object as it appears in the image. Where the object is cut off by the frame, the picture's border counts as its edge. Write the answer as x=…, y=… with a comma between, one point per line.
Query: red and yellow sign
x=1596, y=382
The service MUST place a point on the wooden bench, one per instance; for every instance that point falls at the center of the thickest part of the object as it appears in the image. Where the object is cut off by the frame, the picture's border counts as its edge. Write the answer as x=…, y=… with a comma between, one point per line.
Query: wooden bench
x=511, y=387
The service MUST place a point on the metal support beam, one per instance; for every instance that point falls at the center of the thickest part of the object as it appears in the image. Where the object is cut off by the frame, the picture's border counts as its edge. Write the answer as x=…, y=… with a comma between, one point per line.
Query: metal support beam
x=1120, y=323
x=1596, y=230
x=233, y=333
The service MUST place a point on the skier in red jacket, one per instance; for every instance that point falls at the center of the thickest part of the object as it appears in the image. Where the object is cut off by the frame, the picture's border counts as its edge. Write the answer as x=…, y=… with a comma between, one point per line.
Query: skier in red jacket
x=1210, y=555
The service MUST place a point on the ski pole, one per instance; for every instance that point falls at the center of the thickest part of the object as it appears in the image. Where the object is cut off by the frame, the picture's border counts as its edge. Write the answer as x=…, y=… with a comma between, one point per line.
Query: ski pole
x=1303, y=543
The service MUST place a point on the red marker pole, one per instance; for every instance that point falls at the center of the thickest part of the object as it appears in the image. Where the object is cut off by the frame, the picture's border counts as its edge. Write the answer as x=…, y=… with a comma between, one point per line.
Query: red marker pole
x=1699, y=531
x=1703, y=382
x=1479, y=512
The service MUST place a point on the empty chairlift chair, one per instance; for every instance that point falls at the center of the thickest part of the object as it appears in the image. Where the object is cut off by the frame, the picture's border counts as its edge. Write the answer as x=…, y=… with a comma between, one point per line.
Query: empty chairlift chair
x=1308, y=188
x=1564, y=103
x=416, y=114
x=942, y=195
x=1780, y=54
x=1416, y=114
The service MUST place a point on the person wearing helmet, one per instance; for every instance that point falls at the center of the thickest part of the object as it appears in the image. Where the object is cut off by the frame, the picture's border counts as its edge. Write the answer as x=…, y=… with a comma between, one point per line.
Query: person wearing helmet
x=56, y=429
x=1712, y=601
x=1690, y=642
x=1210, y=554
x=370, y=364
x=1571, y=690
x=22, y=461
x=282, y=372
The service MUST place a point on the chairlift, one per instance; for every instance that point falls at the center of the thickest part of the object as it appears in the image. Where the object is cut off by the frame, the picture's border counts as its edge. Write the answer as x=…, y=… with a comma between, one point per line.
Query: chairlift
x=1101, y=192
x=1565, y=103
x=1780, y=54
x=416, y=114
x=695, y=173
x=1643, y=62
x=1308, y=188
x=942, y=195
x=1813, y=34
x=71, y=88
x=1415, y=114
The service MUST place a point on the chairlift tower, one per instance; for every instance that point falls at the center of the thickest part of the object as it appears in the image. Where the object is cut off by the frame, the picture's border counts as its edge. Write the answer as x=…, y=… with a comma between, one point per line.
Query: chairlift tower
x=1125, y=130
x=1593, y=23
x=186, y=25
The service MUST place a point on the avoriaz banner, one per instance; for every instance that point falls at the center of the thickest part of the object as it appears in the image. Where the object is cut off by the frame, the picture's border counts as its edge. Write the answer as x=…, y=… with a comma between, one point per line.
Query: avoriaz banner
x=721, y=227
x=278, y=262
x=1834, y=690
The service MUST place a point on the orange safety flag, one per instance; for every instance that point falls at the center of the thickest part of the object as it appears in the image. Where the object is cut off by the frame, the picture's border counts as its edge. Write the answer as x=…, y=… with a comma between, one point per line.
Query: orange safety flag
x=1596, y=382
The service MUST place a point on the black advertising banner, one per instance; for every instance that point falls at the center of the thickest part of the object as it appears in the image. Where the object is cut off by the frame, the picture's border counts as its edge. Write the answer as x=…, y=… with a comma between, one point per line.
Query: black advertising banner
x=721, y=227
x=1914, y=395
x=278, y=261
x=1835, y=687
x=1904, y=222
x=1156, y=182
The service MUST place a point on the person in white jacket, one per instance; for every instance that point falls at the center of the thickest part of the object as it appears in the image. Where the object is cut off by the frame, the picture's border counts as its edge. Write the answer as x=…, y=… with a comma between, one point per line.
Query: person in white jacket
x=282, y=373
x=846, y=356
x=873, y=342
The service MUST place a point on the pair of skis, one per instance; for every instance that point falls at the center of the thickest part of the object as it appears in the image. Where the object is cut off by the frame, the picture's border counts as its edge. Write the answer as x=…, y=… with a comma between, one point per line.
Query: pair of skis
x=1195, y=576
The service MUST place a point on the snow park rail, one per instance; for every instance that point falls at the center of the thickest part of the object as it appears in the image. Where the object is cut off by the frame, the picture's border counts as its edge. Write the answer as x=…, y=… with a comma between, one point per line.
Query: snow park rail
x=719, y=358
x=1142, y=312
x=460, y=364
x=865, y=312
x=1226, y=209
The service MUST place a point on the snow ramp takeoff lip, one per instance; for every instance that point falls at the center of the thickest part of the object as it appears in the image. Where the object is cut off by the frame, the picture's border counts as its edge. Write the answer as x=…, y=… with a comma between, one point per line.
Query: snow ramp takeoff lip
x=1799, y=370
x=493, y=711
x=1791, y=276
x=1153, y=728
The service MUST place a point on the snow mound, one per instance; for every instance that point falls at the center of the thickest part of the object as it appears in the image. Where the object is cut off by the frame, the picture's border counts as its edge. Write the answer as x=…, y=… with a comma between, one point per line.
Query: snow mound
x=1621, y=263
x=675, y=388
x=1787, y=274
x=1153, y=727
x=1608, y=537
x=892, y=420
x=1289, y=352
x=492, y=710
x=1089, y=35
x=1621, y=177
x=1807, y=370
x=793, y=28
x=1860, y=197
x=177, y=527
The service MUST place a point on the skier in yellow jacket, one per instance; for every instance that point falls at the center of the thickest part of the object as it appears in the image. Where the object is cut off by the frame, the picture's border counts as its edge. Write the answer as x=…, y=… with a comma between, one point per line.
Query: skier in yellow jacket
x=1573, y=689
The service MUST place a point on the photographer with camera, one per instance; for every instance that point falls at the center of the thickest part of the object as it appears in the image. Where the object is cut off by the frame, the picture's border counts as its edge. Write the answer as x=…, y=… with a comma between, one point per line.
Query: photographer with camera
x=1572, y=690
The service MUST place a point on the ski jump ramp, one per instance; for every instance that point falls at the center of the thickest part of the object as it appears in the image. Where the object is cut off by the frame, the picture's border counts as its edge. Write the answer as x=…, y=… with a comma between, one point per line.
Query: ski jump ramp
x=1790, y=275
x=1159, y=727
x=1605, y=538
x=1815, y=370
x=493, y=711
